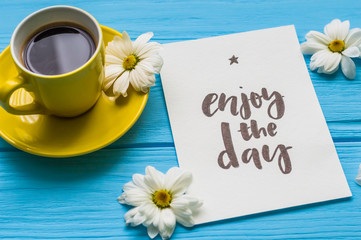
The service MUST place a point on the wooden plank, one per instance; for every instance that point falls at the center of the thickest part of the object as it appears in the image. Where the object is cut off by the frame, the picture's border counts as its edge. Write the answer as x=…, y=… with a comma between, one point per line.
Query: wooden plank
x=76, y=198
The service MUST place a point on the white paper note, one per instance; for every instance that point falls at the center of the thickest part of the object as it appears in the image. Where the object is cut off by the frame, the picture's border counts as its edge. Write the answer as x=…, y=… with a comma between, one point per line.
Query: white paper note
x=247, y=123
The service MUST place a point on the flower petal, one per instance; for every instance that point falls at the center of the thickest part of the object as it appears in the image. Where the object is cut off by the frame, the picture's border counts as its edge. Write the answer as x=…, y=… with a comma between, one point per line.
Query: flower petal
x=181, y=208
x=319, y=59
x=138, y=180
x=111, y=73
x=194, y=203
x=331, y=29
x=337, y=30
x=150, y=210
x=148, y=50
x=348, y=67
x=358, y=177
x=111, y=59
x=318, y=37
x=115, y=48
x=353, y=38
x=185, y=205
x=152, y=231
x=130, y=215
x=129, y=186
x=121, y=199
x=156, y=218
x=135, y=197
x=332, y=62
x=151, y=82
x=313, y=66
x=186, y=221
x=140, y=80
x=168, y=217
x=156, y=61
x=134, y=79
x=177, y=180
x=137, y=220
x=343, y=30
x=352, y=52
x=311, y=47
x=146, y=67
x=154, y=178
x=167, y=223
x=140, y=42
x=121, y=85
x=126, y=44
x=320, y=70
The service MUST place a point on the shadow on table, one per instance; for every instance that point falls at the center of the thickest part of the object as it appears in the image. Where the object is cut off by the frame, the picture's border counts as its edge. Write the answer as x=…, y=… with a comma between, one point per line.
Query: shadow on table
x=291, y=210
x=61, y=169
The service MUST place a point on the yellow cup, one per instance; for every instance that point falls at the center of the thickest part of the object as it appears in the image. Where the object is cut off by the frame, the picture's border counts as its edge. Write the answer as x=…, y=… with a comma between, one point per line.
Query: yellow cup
x=65, y=95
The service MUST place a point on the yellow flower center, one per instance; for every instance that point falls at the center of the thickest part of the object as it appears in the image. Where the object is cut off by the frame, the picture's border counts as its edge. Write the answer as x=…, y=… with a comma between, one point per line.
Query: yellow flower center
x=337, y=46
x=130, y=62
x=162, y=198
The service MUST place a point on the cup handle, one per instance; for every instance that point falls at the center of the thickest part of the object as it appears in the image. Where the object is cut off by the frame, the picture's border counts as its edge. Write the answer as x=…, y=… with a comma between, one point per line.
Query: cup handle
x=8, y=88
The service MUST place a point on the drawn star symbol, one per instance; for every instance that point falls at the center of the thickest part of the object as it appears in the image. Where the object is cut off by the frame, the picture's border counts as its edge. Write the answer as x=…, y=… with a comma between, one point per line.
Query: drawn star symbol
x=233, y=59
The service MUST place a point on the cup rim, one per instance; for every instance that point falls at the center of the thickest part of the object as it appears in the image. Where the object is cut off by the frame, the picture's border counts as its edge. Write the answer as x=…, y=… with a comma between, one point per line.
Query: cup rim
x=21, y=66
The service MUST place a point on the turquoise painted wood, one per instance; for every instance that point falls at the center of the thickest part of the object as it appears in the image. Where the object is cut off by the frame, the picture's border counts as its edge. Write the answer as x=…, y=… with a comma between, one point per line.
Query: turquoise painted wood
x=75, y=198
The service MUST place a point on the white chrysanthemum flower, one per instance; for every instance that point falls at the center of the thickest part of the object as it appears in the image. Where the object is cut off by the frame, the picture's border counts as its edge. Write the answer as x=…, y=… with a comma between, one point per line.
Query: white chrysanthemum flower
x=160, y=200
x=358, y=177
x=338, y=45
x=131, y=62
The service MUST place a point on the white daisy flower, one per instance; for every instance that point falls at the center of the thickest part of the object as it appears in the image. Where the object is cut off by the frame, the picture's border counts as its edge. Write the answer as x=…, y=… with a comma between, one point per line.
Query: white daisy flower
x=358, y=177
x=160, y=200
x=338, y=45
x=131, y=62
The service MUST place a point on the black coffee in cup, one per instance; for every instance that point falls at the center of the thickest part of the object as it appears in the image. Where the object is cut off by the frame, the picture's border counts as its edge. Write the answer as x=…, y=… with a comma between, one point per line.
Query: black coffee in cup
x=58, y=49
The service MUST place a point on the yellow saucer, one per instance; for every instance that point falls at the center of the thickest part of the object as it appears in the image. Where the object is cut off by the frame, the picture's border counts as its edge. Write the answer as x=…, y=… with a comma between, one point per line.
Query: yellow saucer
x=52, y=136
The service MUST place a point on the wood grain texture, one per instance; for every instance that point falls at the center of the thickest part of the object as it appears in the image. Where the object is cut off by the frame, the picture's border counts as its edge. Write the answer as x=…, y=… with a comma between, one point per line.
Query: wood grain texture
x=75, y=198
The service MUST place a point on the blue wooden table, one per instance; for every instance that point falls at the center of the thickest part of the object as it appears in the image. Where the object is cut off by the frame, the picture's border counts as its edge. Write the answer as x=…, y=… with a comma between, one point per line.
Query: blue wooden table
x=75, y=198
